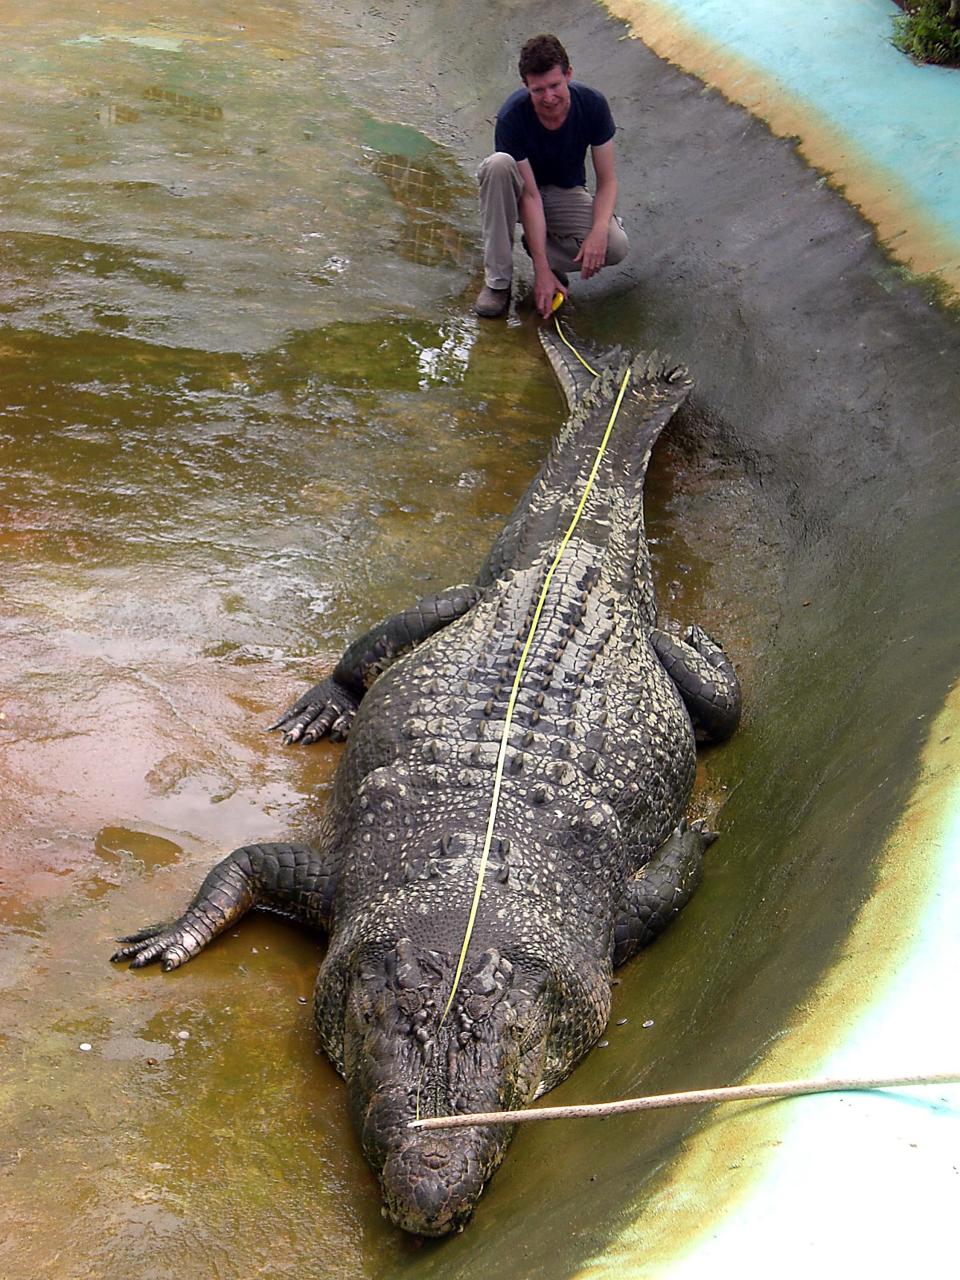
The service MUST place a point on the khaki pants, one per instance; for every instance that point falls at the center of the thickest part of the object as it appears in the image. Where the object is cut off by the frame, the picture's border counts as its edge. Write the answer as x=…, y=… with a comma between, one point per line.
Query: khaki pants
x=568, y=212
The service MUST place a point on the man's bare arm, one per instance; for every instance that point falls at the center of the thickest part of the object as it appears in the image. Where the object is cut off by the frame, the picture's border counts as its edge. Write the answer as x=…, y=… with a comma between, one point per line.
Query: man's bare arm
x=593, y=251
x=545, y=283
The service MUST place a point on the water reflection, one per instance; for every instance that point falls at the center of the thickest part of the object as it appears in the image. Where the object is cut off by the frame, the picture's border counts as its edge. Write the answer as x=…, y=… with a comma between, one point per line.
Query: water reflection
x=423, y=191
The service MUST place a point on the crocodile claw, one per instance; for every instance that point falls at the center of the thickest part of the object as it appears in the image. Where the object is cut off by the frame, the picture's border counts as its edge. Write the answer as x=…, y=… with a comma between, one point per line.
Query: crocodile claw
x=700, y=825
x=327, y=708
x=171, y=944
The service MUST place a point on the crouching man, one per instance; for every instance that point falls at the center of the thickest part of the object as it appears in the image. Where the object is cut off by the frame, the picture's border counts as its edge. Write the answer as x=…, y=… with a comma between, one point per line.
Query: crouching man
x=537, y=175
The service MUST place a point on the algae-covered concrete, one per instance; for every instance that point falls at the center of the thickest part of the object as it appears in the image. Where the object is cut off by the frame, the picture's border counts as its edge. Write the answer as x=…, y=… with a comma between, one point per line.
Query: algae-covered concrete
x=240, y=262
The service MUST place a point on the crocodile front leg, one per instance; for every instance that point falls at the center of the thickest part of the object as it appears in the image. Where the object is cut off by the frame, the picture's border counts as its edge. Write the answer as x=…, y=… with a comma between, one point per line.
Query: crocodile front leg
x=705, y=678
x=330, y=706
x=661, y=889
x=288, y=878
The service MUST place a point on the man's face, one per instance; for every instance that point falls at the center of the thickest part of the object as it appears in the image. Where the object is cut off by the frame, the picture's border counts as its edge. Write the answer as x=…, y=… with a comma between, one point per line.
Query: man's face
x=550, y=94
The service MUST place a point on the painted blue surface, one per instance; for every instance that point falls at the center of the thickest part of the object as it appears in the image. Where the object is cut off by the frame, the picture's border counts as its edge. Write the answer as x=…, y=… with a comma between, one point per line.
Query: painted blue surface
x=837, y=55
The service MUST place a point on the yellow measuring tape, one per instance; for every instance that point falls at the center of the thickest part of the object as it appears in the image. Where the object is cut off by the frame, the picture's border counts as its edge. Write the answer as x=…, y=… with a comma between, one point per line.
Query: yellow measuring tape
x=515, y=691
x=560, y=335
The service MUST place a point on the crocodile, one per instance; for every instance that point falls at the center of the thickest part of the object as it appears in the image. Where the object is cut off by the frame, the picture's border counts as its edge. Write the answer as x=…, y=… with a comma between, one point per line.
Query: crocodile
x=589, y=856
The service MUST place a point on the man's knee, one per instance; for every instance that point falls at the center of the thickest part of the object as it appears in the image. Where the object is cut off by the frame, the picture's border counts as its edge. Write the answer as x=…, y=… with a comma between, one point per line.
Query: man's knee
x=499, y=167
x=618, y=246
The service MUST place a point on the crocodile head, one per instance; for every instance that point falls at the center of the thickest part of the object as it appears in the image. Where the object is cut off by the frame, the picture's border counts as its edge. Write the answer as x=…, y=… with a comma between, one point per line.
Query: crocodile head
x=403, y=1058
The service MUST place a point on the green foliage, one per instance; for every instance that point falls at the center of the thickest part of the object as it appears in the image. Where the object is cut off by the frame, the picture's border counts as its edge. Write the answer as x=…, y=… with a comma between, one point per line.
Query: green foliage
x=930, y=31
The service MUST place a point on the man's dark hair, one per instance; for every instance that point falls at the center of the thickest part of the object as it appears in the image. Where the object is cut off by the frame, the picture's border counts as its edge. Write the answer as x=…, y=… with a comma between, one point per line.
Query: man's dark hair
x=541, y=54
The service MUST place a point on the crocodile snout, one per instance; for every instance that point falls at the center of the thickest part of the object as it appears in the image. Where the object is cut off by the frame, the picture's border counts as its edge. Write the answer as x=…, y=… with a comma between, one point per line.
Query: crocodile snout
x=432, y=1183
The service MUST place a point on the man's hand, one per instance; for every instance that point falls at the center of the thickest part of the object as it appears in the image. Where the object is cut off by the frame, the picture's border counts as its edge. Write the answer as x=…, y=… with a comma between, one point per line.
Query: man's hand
x=545, y=288
x=593, y=252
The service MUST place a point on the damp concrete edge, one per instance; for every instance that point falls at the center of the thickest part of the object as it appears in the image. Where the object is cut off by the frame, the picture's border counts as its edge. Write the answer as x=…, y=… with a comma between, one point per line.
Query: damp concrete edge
x=796, y=1184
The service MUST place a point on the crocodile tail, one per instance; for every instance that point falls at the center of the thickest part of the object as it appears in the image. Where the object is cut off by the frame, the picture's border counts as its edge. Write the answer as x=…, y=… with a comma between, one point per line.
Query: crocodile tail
x=657, y=388
x=575, y=370
x=591, y=384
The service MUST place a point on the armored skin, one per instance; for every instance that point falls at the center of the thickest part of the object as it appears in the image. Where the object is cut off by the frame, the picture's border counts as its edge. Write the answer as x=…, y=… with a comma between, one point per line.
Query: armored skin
x=589, y=857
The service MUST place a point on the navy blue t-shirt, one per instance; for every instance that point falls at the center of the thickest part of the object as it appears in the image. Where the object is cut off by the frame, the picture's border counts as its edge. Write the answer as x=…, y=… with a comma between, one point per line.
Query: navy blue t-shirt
x=556, y=155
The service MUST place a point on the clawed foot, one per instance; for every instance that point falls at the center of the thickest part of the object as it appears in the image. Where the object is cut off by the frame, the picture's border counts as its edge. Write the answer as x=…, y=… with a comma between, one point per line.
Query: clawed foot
x=702, y=641
x=699, y=825
x=327, y=708
x=171, y=944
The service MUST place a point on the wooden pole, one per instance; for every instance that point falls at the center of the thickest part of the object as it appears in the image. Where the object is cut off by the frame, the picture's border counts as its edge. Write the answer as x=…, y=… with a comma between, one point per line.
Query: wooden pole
x=653, y=1102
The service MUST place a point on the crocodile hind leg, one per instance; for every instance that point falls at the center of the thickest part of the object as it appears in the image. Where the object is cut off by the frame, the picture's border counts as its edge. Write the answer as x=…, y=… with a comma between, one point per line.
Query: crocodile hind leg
x=288, y=878
x=660, y=890
x=329, y=707
x=705, y=678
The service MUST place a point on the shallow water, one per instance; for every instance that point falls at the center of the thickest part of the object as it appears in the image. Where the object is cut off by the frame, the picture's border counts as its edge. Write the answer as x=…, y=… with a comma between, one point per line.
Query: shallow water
x=245, y=411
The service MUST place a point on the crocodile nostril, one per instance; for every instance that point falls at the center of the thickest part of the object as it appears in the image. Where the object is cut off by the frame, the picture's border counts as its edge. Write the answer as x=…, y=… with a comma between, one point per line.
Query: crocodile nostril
x=431, y=1187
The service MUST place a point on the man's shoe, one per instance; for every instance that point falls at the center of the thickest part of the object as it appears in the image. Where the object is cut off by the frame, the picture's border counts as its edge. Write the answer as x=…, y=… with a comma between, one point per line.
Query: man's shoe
x=491, y=302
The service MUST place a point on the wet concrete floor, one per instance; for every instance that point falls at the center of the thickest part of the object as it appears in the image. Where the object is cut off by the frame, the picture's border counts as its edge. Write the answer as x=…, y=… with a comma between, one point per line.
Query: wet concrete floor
x=246, y=410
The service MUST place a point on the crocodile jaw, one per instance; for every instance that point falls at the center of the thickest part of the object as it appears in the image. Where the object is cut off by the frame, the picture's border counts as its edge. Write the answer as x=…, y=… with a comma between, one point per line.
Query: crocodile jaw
x=404, y=1059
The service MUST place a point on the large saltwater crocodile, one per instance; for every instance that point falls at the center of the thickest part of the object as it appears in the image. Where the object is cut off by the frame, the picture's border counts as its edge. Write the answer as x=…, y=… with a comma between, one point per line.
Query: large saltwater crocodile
x=588, y=856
